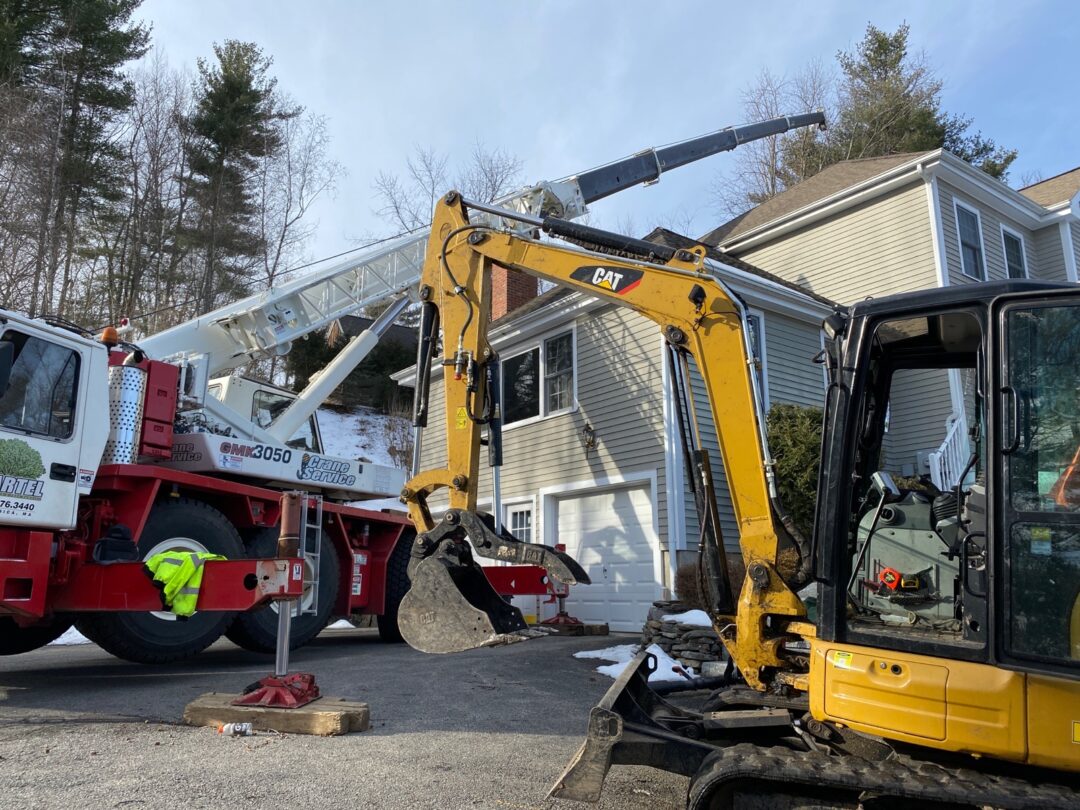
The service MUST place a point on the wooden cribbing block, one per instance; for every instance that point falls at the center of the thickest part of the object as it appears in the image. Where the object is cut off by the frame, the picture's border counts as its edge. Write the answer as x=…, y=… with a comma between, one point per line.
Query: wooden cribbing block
x=325, y=717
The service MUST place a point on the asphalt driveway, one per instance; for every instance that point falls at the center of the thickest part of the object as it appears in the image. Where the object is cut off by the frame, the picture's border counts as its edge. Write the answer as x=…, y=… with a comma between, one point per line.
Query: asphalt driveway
x=487, y=728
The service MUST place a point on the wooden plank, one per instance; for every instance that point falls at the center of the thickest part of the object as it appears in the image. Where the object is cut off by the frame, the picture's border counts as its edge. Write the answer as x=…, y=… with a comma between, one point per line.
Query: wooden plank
x=325, y=717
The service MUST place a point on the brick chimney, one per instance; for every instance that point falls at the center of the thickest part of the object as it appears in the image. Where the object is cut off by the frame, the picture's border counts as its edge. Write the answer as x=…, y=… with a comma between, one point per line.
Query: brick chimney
x=509, y=290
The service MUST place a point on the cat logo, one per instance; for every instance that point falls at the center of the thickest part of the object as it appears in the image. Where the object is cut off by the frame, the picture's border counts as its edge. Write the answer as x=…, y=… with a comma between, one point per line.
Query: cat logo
x=617, y=280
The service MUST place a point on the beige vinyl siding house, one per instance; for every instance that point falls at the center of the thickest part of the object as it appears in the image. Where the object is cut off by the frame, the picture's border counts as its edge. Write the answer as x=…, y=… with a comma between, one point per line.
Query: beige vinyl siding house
x=620, y=506
x=908, y=222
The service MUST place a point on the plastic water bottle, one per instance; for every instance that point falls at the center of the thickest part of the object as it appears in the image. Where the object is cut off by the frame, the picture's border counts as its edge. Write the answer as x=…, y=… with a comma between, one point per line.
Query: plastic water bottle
x=235, y=730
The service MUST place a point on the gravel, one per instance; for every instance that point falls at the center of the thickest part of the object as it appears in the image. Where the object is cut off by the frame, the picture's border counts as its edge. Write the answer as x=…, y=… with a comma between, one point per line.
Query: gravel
x=484, y=729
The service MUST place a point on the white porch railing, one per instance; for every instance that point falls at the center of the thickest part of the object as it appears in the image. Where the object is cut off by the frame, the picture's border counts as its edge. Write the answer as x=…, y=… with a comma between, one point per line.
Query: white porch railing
x=948, y=461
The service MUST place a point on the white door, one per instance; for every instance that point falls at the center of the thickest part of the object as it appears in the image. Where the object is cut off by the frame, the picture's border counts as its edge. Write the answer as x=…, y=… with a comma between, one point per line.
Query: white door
x=610, y=532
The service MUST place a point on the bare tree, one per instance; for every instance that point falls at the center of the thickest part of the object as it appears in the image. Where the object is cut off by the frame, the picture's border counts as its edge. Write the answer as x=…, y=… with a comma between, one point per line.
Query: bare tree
x=762, y=168
x=407, y=202
x=290, y=181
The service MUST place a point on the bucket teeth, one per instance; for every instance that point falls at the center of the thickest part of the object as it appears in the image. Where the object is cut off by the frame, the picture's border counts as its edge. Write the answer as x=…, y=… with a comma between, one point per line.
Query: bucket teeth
x=451, y=606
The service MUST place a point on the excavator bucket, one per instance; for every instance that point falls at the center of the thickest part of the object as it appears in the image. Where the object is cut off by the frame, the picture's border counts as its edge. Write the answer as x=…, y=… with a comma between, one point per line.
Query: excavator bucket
x=451, y=606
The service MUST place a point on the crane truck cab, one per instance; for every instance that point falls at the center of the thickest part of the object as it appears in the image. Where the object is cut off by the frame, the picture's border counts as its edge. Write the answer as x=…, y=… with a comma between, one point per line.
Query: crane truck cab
x=265, y=403
x=53, y=421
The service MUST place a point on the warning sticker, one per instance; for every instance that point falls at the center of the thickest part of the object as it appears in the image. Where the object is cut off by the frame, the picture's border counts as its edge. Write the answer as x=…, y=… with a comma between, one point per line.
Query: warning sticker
x=461, y=418
x=1076, y=731
x=842, y=660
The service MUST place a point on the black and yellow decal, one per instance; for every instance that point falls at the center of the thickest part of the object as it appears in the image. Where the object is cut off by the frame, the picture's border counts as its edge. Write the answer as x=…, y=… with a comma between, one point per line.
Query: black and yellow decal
x=618, y=280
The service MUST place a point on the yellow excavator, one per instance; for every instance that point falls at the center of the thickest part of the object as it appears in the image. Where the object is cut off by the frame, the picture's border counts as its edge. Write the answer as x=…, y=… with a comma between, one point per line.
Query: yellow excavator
x=942, y=665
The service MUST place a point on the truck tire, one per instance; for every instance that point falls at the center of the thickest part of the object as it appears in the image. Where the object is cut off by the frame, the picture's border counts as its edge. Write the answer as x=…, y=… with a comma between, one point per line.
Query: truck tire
x=15, y=639
x=161, y=638
x=397, y=585
x=256, y=630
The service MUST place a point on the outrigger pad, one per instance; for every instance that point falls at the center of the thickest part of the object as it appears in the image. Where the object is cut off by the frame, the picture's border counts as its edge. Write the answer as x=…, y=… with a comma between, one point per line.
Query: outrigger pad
x=451, y=606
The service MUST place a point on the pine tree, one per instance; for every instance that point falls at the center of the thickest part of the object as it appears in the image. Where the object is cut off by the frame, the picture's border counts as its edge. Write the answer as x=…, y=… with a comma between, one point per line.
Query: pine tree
x=889, y=101
x=86, y=44
x=234, y=125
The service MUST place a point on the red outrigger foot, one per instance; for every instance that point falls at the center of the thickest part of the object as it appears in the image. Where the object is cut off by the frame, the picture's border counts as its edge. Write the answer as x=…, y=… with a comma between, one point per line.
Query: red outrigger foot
x=281, y=692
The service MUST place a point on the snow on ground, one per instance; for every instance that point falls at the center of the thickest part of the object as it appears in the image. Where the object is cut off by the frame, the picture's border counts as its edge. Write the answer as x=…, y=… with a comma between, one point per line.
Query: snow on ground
x=341, y=624
x=623, y=654
x=71, y=636
x=360, y=434
x=698, y=618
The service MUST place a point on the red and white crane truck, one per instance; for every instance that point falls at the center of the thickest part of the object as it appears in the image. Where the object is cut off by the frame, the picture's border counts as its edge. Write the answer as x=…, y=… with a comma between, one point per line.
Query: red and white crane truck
x=156, y=439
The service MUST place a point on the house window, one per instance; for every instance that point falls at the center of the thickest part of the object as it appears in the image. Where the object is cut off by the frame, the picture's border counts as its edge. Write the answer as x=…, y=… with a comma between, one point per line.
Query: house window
x=519, y=522
x=1014, y=253
x=540, y=381
x=756, y=320
x=971, y=252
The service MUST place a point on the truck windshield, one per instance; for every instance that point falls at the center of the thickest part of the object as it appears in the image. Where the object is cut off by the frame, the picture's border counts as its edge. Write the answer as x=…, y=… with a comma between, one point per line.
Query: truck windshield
x=40, y=397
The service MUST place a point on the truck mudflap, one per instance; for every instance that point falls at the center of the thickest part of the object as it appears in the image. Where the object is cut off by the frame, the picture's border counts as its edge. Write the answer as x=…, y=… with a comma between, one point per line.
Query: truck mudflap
x=451, y=606
x=632, y=725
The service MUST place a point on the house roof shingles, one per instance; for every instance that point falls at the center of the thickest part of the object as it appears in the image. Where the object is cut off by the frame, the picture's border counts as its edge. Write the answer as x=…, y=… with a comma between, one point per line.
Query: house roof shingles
x=662, y=236
x=828, y=181
x=1057, y=189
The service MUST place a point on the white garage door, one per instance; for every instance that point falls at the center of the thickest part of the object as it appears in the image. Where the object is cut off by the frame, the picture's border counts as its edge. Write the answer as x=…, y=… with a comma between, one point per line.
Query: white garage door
x=610, y=532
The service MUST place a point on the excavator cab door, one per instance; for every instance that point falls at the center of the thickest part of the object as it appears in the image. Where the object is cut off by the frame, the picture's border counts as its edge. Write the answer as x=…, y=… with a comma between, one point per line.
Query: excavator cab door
x=1038, y=453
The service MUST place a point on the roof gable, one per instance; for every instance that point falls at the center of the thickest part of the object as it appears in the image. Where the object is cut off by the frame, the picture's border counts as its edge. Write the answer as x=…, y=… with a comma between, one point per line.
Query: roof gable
x=830, y=180
x=1057, y=189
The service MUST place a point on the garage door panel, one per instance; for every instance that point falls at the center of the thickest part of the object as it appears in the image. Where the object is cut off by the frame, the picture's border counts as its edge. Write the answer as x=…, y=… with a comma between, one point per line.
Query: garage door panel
x=610, y=534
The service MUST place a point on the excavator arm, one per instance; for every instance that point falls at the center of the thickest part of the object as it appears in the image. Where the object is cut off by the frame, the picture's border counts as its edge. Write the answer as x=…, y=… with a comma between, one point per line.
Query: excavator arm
x=705, y=329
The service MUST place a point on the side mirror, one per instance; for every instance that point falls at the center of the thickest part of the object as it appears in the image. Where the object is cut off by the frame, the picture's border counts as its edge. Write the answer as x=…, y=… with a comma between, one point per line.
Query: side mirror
x=7, y=360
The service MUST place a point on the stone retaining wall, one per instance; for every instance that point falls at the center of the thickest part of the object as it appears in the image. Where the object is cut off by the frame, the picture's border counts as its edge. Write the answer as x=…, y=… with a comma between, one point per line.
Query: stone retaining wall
x=691, y=645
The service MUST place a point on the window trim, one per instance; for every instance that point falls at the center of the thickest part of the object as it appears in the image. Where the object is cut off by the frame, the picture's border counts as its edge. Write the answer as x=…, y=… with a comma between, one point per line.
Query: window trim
x=1005, y=229
x=957, y=205
x=763, y=355
x=538, y=343
x=529, y=503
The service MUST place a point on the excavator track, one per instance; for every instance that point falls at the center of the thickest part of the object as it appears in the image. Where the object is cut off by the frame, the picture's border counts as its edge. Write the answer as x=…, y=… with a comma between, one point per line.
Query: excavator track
x=815, y=779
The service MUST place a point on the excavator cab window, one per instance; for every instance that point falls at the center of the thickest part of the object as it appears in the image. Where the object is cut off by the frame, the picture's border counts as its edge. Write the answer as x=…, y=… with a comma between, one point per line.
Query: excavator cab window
x=1040, y=452
x=916, y=457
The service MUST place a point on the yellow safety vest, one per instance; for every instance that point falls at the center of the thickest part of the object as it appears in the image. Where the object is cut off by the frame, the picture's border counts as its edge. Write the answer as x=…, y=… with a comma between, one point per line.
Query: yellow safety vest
x=178, y=574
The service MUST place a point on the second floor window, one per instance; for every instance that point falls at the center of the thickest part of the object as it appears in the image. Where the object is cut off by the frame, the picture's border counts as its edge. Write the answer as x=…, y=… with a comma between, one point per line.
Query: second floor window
x=540, y=381
x=971, y=252
x=1014, y=254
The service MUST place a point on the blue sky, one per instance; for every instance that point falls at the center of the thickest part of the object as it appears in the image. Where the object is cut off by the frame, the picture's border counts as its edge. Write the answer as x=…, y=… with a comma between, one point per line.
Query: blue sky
x=568, y=85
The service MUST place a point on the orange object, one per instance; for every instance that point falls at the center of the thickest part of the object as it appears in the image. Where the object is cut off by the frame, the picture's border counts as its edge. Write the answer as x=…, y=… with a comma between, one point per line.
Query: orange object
x=890, y=578
x=1066, y=490
x=109, y=336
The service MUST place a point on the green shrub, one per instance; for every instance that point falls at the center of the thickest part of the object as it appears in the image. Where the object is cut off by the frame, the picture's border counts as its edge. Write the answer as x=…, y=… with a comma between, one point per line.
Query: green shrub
x=19, y=459
x=794, y=433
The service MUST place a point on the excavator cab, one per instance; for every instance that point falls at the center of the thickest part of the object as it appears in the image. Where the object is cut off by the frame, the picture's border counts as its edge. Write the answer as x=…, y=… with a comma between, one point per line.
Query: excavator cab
x=968, y=399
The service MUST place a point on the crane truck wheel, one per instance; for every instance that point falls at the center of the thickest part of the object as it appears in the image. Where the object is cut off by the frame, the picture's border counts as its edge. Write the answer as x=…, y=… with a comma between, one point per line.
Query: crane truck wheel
x=15, y=639
x=256, y=630
x=156, y=637
x=397, y=585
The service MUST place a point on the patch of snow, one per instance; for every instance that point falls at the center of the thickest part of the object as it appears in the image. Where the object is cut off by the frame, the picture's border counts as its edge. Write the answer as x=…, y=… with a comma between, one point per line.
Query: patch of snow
x=341, y=624
x=623, y=654
x=360, y=434
x=71, y=636
x=698, y=618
